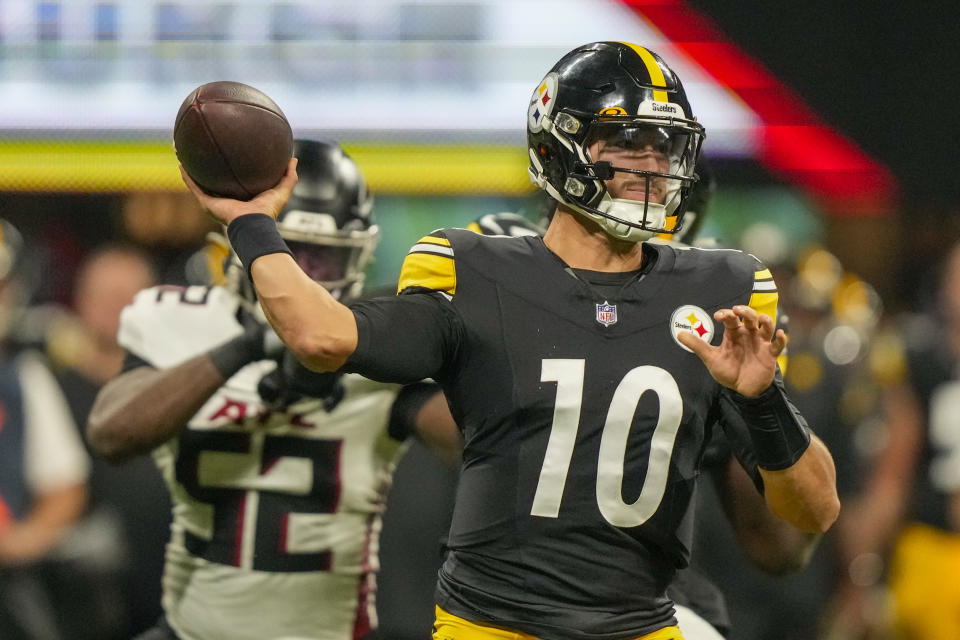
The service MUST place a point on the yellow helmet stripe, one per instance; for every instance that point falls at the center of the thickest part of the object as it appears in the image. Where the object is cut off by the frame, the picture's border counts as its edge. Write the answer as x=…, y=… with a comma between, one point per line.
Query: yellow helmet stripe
x=656, y=73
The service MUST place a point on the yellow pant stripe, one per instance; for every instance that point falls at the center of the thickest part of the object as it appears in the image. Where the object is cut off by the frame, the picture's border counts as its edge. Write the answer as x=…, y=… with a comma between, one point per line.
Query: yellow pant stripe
x=450, y=627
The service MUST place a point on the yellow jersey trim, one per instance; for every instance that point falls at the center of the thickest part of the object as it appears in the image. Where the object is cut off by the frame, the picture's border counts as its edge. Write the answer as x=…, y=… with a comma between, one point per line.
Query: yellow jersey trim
x=430, y=265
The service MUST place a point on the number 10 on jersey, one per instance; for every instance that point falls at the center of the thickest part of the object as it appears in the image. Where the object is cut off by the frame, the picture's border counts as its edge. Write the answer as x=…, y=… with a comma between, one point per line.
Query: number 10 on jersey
x=569, y=374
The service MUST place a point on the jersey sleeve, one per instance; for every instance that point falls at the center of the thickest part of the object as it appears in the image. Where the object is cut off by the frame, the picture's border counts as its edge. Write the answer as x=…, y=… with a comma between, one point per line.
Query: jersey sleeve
x=406, y=338
x=429, y=265
x=403, y=414
x=764, y=298
x=165, y=326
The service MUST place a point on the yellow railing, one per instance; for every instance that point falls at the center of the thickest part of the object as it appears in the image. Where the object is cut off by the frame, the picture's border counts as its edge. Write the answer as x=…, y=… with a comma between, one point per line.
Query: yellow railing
x=150, y=165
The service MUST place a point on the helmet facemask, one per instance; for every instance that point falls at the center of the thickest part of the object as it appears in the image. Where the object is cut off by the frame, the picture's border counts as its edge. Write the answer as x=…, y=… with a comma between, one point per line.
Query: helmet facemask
x=333, y=257
x=648, y=161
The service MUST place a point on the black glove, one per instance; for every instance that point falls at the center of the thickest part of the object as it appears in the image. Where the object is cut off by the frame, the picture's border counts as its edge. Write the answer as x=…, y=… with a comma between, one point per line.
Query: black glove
x=291, y=381
x=257, y=342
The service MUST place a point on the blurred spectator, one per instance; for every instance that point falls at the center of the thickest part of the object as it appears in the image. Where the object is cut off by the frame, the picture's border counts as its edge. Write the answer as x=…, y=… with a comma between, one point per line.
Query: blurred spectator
x=43, y=469
x=105, y=283
x=128, y=499
x=906, y=525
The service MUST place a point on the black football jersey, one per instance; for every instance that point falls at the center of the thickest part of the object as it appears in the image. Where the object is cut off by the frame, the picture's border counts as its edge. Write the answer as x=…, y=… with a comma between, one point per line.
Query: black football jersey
x=583, y=417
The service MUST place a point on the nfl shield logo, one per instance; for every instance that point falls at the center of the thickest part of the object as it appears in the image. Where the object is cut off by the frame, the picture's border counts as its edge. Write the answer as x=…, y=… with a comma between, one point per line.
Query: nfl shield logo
x=606, y=313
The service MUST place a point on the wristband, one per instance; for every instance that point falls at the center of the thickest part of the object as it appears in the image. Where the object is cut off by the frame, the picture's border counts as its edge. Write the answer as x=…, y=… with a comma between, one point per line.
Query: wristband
x=777, y=430
x=253, y=236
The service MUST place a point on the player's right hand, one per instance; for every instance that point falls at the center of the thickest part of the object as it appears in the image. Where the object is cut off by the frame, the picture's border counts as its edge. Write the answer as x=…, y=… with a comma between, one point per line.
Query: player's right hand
x=226, y=210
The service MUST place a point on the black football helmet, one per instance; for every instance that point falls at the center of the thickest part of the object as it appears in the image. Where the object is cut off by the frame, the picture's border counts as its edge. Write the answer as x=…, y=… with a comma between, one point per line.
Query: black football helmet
x=327, y=221
x=621, y=94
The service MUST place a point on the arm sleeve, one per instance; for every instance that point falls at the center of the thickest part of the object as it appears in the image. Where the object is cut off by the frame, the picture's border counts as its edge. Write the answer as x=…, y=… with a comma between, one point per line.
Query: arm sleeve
x=403, y=415
x=737, y=439
x=405, y=338
x=54, y=454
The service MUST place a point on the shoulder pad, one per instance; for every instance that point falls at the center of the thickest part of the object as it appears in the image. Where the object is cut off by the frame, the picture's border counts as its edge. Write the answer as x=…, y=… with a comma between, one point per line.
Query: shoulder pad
x=168, y=325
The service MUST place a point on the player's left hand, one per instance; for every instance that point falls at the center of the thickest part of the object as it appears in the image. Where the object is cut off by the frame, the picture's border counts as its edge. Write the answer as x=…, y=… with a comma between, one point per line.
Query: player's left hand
x=226, y=210
x=746, y=360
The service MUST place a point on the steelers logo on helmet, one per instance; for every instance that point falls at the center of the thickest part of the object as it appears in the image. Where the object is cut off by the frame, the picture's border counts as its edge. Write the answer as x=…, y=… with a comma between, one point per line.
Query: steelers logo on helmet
x=541, y=102
x=691, y=319
x=612, y=103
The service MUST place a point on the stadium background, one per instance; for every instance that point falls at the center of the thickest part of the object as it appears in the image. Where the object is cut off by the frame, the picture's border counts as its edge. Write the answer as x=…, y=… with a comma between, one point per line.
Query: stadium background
x=425, y=95
x=833, y=125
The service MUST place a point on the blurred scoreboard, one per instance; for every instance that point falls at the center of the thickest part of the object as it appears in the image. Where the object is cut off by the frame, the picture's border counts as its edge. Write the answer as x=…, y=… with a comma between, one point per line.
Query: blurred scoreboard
x=401, y=69
x=429, y=96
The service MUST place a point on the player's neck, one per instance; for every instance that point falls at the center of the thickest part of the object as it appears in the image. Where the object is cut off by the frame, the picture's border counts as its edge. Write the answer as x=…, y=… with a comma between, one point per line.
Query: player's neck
x=582, y=244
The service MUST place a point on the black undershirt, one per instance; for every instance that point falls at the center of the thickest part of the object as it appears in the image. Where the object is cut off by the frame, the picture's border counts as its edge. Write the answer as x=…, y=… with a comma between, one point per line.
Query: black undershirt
x=609, y=286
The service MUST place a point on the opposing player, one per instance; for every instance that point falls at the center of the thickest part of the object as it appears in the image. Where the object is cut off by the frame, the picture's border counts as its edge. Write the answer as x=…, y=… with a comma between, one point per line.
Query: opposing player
x=278, y=475
x=574, y=364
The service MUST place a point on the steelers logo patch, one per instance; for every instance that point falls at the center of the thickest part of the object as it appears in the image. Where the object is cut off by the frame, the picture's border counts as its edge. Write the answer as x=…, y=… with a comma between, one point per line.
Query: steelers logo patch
x=691, y=319
x=541, y=103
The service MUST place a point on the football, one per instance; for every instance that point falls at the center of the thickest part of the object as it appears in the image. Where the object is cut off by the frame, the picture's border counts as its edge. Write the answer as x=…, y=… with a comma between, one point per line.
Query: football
x=232, y=139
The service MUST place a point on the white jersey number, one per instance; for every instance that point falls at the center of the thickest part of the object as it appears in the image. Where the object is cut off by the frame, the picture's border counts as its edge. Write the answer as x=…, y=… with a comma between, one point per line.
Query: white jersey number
x=568, y=374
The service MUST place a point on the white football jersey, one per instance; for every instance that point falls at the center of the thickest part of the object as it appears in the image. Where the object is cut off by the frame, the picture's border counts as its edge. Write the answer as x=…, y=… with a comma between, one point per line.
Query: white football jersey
x=276, y=514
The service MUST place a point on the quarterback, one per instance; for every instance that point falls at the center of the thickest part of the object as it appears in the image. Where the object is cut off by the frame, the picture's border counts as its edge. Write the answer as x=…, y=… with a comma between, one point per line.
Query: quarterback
x=585, y=369
x=278, y=475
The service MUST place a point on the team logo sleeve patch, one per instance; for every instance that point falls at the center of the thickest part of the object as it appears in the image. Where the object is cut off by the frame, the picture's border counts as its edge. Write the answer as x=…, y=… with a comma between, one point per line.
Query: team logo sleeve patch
x=429, y=264
x=691, y=319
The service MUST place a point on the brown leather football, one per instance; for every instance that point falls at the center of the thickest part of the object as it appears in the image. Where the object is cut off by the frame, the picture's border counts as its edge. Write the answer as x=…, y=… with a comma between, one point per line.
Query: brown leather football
x=232, y=139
